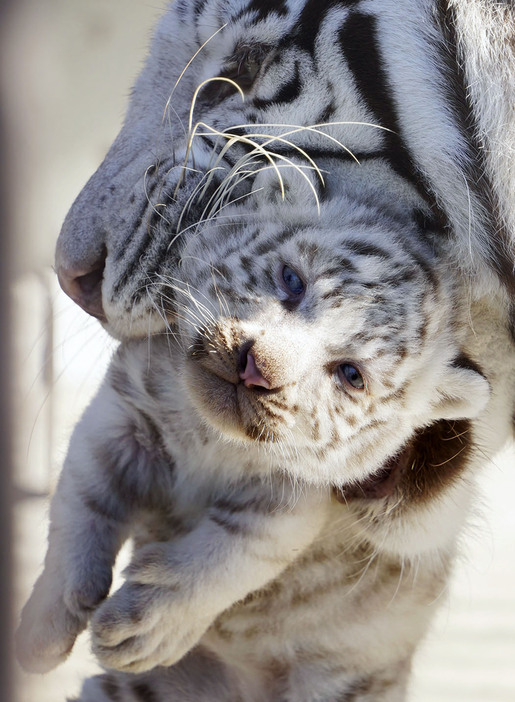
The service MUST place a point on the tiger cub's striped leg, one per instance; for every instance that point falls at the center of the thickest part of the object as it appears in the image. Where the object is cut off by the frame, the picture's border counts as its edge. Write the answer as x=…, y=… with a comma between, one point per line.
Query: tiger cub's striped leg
x=330, y=681
x=87, y=528
x=198, y=677
x=175, y=590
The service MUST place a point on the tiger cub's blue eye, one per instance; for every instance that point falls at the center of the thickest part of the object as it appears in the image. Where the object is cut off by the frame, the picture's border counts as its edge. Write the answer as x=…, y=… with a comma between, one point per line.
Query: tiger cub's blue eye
x=351, y=375
x=292, y=281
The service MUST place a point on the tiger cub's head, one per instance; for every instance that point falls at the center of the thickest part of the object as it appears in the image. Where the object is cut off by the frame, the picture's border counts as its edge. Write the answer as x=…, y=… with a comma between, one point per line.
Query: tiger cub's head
x=326, y=343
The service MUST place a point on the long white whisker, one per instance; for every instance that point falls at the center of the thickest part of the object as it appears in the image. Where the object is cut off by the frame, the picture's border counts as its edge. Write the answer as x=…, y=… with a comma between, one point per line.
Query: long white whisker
x=192, y=129
x=174, y=283
x=199, y=50
x=199, y=305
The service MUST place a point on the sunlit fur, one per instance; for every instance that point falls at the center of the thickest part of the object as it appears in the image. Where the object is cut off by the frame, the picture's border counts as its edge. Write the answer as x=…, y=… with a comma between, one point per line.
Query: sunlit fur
x=274, y=558
x=328, y=90
x=292, y=533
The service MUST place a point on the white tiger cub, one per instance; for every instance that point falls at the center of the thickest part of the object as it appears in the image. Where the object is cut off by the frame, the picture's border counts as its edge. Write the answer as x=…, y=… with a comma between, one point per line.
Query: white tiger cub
x=294, y=460
x=296, y=214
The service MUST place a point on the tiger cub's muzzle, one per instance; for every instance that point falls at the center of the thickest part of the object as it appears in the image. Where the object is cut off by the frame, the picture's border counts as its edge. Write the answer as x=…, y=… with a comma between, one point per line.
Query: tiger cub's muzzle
x=244, y=380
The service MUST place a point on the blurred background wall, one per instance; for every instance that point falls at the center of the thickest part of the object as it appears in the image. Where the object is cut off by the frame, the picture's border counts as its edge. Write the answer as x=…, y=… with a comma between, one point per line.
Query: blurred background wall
x=5, y=407
x=66, y=71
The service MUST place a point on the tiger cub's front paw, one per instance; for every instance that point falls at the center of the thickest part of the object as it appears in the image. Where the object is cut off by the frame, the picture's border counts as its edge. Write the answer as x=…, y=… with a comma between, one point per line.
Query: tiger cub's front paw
x=53, y=617
x=144, y=626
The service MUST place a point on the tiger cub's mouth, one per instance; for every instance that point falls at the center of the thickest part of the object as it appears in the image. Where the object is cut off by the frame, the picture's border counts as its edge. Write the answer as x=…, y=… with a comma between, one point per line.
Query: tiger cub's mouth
x=432, y=459
x=230, y=406
x=241, y=385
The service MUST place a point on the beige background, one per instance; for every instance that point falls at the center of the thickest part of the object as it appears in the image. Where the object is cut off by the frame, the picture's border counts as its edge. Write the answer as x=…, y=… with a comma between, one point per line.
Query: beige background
x=67, y=66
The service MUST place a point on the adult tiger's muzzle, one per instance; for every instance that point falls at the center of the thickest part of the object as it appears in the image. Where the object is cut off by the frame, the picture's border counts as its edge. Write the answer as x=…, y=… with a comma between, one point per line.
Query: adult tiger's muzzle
x=84, y=285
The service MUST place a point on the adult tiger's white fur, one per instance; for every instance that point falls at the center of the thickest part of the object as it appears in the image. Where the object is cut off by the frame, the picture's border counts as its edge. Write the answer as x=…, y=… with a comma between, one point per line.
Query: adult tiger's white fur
x=405, y=115
x=308, y=208
x=485, y=37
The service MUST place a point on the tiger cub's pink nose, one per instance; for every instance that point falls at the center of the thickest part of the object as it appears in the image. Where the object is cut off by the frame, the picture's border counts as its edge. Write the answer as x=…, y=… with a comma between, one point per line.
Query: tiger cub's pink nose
x=250, y=373
x=85, y=286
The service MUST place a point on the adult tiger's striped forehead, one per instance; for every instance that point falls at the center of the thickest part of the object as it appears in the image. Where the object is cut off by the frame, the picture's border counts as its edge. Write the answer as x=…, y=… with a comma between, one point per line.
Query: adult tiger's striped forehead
x=324, y=84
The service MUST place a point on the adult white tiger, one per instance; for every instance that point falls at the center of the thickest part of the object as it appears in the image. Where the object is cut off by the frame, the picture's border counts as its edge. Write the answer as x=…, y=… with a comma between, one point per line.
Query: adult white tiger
x=335, y=114
x=303, y=63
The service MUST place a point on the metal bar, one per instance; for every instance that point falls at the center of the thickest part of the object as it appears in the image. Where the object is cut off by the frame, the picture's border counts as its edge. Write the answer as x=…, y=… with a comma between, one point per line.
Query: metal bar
x=6, y=567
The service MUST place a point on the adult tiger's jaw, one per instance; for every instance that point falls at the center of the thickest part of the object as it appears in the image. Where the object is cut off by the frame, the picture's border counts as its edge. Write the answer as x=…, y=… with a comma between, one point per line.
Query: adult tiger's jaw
x=85, y=286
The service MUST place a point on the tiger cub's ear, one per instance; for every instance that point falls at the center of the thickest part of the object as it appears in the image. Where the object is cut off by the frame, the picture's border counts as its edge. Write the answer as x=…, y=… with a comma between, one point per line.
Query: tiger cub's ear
x=463, y=391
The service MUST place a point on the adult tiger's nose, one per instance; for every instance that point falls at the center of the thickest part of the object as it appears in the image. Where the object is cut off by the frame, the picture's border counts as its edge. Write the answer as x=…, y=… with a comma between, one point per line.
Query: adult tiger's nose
x=84, y=285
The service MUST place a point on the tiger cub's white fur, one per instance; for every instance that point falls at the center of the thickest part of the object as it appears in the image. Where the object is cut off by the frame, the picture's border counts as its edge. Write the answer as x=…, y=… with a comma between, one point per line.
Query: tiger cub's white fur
x=312, y=228
x=293, y=459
